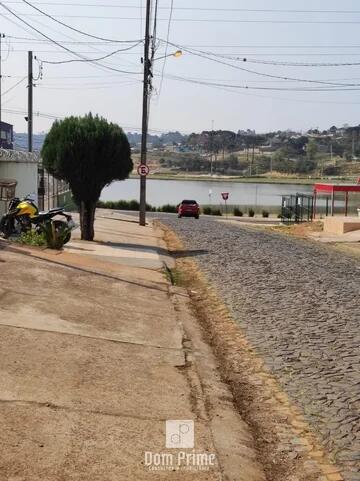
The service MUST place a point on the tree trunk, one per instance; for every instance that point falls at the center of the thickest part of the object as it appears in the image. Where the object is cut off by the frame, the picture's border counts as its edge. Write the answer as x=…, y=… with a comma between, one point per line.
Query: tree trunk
x=87, y=217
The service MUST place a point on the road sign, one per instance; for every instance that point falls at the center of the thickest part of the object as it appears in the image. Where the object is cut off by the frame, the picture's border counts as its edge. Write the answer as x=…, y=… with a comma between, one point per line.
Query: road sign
x=143, y=170
x=225, y=195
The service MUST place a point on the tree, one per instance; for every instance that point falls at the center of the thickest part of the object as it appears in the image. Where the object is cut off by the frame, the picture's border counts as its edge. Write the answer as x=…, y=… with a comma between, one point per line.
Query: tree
x=89, y=153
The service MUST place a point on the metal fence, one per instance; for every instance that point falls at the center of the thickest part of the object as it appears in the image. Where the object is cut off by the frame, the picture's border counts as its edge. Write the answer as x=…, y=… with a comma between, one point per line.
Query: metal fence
x=51, y=191
x=297, y=208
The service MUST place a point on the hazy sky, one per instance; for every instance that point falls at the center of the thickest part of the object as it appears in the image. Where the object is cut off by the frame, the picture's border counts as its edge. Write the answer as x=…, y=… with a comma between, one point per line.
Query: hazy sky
x=232, y=32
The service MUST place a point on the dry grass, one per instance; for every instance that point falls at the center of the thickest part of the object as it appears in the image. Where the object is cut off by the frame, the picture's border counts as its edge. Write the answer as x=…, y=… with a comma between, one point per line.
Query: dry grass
x=274, y=420
x=303, y=230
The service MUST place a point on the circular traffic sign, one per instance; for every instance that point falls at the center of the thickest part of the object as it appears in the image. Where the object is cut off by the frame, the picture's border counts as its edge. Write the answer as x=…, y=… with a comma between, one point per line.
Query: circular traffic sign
x=143, y=170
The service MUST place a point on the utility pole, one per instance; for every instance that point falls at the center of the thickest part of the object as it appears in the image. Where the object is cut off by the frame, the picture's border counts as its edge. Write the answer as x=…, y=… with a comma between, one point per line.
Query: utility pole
x=212, y=148
x=30, y=101
x=353, y=145
x=145, y=114
x=1, y=37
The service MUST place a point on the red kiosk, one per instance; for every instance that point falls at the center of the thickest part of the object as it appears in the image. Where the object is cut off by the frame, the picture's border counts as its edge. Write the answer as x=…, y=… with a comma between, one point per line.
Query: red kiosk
x=331, y=189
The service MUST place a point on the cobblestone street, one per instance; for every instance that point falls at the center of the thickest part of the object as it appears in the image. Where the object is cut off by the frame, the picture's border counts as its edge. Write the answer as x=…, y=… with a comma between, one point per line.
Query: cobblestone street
x=299, y=305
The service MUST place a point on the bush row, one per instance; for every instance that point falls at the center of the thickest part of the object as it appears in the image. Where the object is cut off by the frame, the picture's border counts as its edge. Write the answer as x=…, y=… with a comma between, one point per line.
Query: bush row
x=134, y=205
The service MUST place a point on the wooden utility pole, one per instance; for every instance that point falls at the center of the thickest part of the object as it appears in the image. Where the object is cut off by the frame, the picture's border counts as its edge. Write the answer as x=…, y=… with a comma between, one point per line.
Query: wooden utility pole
x=1, y=37
x=145, y=114
x=30, y=101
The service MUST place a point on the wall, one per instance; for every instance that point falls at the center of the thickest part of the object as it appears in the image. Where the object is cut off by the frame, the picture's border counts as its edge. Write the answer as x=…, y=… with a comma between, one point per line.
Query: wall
x=23, y=167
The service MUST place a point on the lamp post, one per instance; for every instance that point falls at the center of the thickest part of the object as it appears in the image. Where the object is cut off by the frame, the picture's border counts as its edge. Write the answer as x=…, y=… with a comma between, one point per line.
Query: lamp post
x=145, y=112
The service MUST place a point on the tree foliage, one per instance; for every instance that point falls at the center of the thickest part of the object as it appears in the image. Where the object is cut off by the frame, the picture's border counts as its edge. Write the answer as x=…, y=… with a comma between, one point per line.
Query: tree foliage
x=89, y=153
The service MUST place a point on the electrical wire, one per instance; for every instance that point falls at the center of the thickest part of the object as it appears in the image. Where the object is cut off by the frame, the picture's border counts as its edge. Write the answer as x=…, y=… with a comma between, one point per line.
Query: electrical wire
x=70, y=27
x=284, y=64
x=153, y=39
x=166, y=47
x=286, y=47
x=54, y=62
x=262, y=74
x=210, y=9
x=104, y=67
x=246, y=87
x=206, y=20
x=60, y=45
x=13, y=86
x=76, y=42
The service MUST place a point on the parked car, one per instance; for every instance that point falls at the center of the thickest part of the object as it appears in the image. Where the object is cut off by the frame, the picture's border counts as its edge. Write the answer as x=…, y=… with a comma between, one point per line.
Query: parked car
x=189, y=208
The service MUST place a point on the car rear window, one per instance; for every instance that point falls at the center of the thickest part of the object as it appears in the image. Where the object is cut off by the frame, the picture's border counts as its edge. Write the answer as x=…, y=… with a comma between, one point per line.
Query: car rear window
x=189, y=202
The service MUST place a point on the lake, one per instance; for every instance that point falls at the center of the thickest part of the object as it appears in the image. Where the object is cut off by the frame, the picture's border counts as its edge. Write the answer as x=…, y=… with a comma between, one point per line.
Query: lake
x=160, y=192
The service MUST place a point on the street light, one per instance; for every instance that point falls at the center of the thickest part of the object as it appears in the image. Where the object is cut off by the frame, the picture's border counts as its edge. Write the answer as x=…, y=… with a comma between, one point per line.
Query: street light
x=145, y=113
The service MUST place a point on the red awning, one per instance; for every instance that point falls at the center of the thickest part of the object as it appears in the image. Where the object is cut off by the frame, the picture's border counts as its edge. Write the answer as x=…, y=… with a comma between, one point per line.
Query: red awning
x=330, y=188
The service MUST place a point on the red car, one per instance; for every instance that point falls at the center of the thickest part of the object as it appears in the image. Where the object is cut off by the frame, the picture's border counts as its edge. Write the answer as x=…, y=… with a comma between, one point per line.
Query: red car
x=189, y=208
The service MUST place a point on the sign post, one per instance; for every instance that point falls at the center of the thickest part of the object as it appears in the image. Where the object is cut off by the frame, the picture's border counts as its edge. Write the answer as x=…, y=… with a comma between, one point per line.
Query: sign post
x=225, y=196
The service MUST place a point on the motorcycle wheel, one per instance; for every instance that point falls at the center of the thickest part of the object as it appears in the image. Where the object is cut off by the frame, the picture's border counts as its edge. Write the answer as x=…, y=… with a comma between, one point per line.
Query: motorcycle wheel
x=6, y=226
x=60, y=226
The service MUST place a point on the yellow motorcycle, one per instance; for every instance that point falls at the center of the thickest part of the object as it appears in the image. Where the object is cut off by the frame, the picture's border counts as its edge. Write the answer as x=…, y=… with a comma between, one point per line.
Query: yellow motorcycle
x=23, y=214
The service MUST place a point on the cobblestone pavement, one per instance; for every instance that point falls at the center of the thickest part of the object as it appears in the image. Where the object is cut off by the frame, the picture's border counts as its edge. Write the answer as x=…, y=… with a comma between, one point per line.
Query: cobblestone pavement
x=299, y=305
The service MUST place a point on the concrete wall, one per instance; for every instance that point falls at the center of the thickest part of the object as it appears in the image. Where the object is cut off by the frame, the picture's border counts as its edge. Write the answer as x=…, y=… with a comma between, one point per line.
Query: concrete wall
x=341, y=225
x=23, y=167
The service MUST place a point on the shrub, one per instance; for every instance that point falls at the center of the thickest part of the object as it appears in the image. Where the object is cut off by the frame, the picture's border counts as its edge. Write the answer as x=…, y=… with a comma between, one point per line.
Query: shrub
x=122, y=205
x=265, y=213
x=251, y=213
x=207, y=210
x=238, y=212
x=169, y=208
x=32, y=238
x=216, y=212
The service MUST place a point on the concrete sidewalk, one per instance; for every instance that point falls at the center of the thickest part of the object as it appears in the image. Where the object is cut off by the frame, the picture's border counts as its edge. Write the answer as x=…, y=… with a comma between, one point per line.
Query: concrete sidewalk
x=97, y=352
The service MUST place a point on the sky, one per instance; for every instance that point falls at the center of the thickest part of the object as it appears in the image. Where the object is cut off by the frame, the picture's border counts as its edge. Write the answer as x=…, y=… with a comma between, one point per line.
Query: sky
x=274, y=36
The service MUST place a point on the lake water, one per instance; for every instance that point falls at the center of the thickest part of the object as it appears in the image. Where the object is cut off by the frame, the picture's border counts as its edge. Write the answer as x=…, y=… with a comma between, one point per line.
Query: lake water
x=160, y=192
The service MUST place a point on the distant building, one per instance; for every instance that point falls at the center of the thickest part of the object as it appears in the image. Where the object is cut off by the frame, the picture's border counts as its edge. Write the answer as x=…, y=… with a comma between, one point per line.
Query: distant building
x=6, y=136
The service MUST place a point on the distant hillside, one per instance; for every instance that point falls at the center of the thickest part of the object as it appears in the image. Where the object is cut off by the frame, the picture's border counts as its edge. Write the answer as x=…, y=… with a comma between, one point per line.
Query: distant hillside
x=21, y=141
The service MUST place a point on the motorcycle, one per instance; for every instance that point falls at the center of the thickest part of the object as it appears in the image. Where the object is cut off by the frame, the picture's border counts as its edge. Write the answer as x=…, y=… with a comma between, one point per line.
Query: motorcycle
x=23, y=214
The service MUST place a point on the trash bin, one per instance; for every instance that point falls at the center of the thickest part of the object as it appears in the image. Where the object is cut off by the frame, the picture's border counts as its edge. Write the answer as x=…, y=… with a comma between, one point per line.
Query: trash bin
x=7, y=192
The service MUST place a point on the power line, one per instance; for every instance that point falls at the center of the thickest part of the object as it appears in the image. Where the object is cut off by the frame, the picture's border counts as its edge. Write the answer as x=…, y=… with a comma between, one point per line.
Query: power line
x=205, y=20
x=21, y=26
x=153, y=39
x=61, y=117
x=241, y=56
x=68, y=26
x=203, y=9
x=60, y=45
x=276, y=62
x=262, y=74
x=166, y=47
x=94, y=87
x=286, y=47
x=246, y=87
x=57, y=62
x=76, y=42
x=13, y=86
x=312, y=101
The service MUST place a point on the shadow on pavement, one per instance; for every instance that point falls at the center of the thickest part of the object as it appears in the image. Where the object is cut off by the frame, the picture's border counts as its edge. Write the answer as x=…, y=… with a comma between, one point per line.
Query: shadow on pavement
x=189, y=253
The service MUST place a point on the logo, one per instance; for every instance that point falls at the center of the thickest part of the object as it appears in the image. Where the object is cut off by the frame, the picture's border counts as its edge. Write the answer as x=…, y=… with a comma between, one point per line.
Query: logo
x=179, y=434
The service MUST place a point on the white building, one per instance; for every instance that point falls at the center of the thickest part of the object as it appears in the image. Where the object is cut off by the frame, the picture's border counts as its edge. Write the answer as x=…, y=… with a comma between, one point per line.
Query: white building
x=22, y=167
